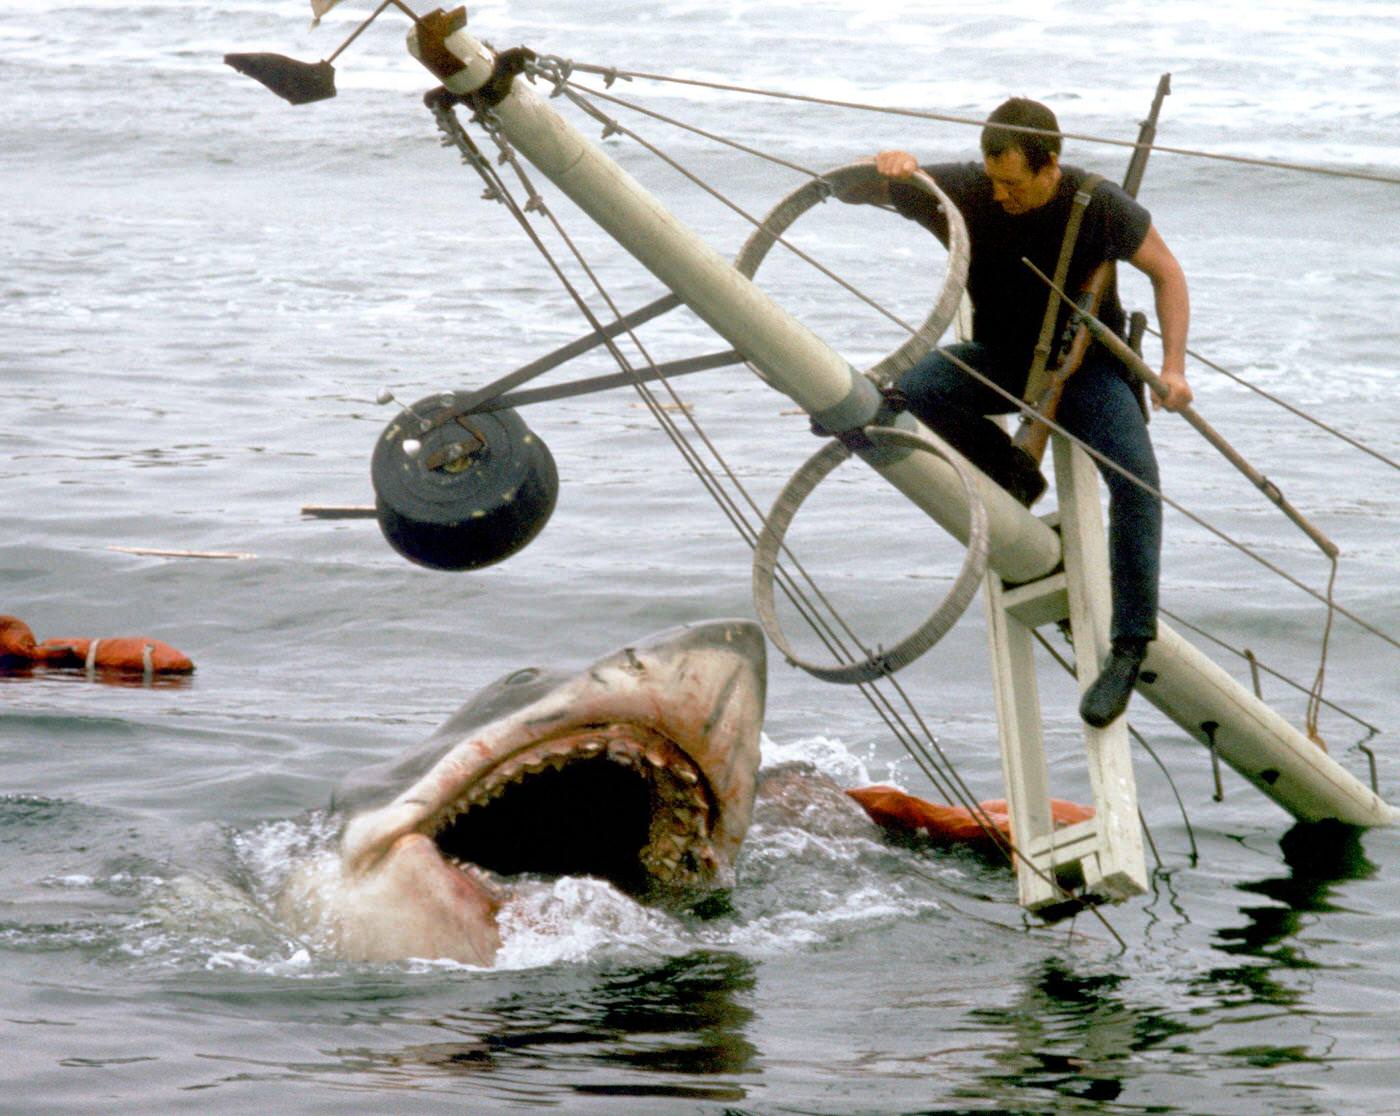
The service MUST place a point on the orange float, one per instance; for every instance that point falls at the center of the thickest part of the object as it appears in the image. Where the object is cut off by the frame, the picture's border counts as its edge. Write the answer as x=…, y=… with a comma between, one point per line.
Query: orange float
x=902, y=814
x=124, y=653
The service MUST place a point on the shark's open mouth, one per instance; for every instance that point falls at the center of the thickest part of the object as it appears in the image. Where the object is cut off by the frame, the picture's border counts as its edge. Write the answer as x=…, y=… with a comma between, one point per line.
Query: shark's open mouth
x=616, y=801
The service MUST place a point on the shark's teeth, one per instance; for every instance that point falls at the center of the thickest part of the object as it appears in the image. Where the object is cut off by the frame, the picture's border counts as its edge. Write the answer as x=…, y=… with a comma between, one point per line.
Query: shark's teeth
x=678, y=849
x=623, y=752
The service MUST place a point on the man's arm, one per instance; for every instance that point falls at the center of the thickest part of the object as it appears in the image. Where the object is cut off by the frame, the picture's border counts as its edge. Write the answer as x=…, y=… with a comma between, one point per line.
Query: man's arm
x=1155, y=260
x=898, y=165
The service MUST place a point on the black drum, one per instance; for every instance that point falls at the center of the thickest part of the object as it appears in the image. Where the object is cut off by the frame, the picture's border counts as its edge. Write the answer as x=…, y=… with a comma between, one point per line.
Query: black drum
x=477, y=489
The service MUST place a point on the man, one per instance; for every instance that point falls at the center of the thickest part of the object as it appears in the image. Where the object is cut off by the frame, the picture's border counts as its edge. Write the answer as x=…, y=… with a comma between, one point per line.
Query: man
x=1016, y=204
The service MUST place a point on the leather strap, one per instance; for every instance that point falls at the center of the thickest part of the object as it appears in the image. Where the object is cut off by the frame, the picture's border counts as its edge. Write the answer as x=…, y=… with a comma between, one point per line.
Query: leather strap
x=1036, y=378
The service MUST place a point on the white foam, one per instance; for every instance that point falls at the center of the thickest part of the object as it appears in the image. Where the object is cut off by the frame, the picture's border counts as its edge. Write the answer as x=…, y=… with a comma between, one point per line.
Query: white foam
x=829, y=755
x=572, y=919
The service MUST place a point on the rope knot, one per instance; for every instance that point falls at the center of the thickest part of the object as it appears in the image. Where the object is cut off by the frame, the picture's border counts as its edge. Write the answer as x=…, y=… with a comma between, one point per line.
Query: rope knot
x=855, y=439
x=895, y=403
x=553, y=69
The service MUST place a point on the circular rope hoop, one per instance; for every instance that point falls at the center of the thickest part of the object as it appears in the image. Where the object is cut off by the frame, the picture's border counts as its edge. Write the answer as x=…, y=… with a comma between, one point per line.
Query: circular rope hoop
x=854, y=175
x=770, y=542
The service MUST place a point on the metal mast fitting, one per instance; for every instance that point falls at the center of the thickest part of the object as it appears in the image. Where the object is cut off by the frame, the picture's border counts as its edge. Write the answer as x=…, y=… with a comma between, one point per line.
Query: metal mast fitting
x=1024, y=552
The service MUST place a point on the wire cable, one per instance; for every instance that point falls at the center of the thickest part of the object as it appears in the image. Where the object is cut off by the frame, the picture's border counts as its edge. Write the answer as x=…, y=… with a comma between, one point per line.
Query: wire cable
x=978, y=122
x=952, y=781
x=1277, y=401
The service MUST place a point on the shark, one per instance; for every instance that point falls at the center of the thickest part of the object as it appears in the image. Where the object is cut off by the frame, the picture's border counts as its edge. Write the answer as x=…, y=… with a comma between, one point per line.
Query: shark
x=639, y=769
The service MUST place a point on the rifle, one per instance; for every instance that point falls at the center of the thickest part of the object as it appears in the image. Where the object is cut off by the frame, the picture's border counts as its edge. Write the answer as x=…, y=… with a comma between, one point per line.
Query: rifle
x=1033, y=435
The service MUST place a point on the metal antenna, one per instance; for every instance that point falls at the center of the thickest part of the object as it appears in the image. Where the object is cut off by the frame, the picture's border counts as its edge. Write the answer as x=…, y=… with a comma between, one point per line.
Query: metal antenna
x=386, y=396
x=301, y=83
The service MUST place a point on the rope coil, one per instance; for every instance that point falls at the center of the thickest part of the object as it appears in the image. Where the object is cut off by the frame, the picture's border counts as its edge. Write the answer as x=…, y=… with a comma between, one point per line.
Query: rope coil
x=854, y=175
x=940, y=621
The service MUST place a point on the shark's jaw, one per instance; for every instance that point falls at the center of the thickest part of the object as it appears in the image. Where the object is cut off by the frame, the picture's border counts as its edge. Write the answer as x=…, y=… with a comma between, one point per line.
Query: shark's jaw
x=639, y=769
x=617, y=801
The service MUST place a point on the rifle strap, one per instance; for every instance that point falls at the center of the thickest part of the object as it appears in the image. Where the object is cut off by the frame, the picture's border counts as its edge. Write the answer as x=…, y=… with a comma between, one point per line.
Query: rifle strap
x=1036, y=378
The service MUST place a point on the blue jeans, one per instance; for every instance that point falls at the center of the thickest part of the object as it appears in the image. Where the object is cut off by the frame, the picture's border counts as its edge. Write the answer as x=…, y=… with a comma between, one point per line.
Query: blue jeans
x=1099, y=408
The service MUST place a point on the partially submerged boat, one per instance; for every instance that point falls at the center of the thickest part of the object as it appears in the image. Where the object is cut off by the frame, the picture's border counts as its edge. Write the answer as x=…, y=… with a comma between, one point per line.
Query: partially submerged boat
x=461, y=482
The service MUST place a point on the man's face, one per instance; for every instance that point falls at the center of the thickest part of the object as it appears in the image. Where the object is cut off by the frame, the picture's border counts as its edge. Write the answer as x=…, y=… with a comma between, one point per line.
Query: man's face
x=1017, y=188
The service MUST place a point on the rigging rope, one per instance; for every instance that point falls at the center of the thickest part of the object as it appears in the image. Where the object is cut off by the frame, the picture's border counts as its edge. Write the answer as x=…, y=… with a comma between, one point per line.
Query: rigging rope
x=612, y=73
x=554, y=76
x=1287, y=406
x=1249, y=656
x=613, y=127
x=558, y=71
x=1315, y=696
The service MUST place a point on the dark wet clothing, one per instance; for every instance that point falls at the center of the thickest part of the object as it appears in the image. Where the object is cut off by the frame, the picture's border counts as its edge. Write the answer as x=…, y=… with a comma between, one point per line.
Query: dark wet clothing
x=1008, y=302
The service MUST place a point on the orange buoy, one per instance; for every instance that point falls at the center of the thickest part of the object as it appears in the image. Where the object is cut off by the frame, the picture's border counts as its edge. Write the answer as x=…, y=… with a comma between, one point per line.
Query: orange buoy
x=124, y=653
x=17, y=646
x=897, y=812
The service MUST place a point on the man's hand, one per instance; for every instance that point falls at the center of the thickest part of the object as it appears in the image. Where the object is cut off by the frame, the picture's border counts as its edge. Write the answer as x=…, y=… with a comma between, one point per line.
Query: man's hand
x=896, y=164
x=1155, y=260
x=890, y=165
x=1179, y=392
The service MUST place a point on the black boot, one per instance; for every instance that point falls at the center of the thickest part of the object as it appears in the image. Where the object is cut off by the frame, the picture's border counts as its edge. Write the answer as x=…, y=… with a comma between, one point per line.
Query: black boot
x=1021, y=476
x=1104, y=701
x=988, y=447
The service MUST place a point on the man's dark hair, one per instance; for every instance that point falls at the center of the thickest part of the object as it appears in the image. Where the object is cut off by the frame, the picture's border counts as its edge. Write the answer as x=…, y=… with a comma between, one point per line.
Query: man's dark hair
x=1022, y=112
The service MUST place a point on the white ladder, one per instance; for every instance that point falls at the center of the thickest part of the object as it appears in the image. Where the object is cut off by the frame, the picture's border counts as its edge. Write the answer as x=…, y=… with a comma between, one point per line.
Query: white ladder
x=1100, y=859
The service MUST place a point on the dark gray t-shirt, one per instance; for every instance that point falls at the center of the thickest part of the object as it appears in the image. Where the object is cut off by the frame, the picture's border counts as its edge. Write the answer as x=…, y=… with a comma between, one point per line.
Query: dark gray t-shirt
x=1008, y=300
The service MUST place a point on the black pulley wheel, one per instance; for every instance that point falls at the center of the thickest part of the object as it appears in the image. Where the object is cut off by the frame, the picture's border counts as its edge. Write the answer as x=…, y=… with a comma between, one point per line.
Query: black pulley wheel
x=474, y=490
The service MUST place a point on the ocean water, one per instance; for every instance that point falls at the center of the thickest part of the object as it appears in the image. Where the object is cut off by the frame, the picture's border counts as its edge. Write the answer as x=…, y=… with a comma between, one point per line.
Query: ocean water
x=203, y=291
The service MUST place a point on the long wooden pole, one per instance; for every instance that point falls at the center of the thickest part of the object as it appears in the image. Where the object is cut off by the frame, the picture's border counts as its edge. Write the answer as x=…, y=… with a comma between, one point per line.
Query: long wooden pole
x=1135, y=364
